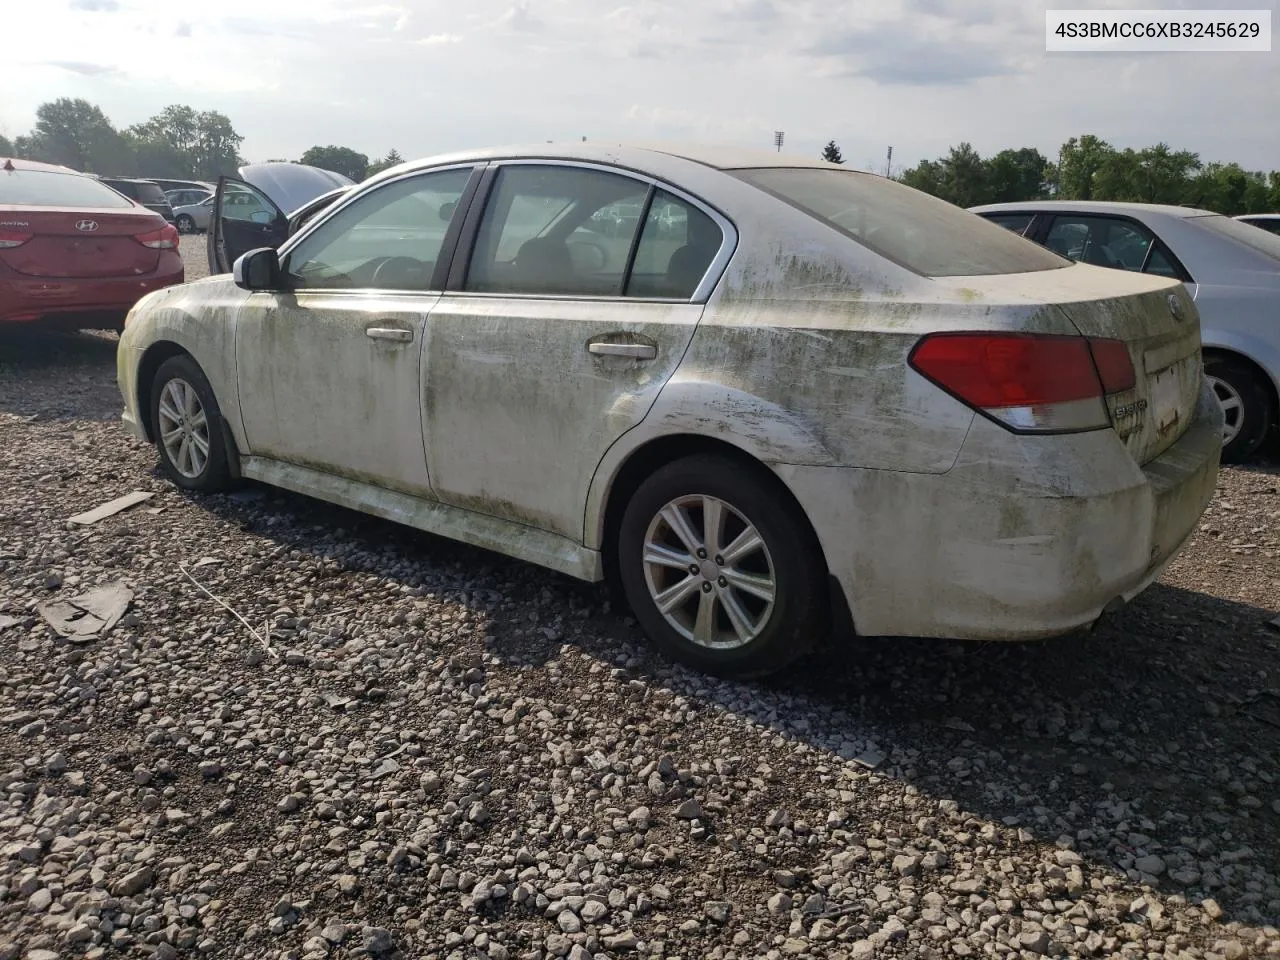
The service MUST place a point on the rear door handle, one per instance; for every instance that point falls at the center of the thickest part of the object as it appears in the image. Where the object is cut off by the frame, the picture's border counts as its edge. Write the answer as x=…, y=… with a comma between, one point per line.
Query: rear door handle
x=389, y=333
x=637, y=351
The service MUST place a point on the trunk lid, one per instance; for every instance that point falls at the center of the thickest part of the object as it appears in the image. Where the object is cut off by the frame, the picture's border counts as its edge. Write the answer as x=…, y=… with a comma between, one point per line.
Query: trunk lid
x=1155, y=318
x=1162, y=330
x=82, y=243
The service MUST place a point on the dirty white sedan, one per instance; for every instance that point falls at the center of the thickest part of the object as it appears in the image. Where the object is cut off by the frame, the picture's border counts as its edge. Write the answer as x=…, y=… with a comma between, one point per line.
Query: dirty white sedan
x=765, y=395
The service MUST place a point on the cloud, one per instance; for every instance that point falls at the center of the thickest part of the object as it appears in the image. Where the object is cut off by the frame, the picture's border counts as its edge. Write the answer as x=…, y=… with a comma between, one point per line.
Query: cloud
x=96, y=6
x=518, y=18
x=439, y=39
x=183, y=29
x=895, y=53
x=84, y=69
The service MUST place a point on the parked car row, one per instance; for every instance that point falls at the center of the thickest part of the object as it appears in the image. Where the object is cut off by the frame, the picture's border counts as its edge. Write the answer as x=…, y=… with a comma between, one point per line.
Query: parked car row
x=1230, y=267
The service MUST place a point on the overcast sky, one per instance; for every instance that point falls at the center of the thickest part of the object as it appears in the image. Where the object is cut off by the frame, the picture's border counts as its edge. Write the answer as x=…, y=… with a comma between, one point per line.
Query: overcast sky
x=426, y=76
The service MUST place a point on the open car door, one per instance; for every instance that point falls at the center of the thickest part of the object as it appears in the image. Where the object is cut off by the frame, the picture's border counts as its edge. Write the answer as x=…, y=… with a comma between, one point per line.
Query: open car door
x=243, y=219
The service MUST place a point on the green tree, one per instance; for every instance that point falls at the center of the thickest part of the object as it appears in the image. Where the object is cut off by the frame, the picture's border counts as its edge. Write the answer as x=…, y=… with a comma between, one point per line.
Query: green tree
x=181, y=142
x=386, y=163
x=342, y=160
x=6, y=148
x=831, y=153
x=964, y=180
x=1078, y=163
x=1117, y=177
x=76, y=134
x=1013, y=175
x=926, y=176
x=1164, y=173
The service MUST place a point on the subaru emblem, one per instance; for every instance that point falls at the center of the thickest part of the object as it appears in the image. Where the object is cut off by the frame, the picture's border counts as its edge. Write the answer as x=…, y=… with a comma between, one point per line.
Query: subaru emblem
x=1175, y=306
x=87, y=226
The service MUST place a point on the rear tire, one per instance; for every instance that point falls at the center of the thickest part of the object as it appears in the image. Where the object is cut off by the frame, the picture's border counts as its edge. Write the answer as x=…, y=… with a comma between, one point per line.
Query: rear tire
x=758, y=599
x=185, y=224
x=1246, y=404
x=188, y=428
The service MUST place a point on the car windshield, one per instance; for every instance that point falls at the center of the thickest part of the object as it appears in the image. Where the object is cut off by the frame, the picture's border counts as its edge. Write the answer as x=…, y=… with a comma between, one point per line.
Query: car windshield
x=917, y=231
x=1260, y=240
x=45, y=188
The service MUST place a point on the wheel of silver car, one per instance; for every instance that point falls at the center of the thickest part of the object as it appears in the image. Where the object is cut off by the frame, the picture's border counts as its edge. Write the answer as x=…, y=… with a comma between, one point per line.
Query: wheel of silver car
x=185, y=224
x=187, y=426
x=1232, y=408
x=721, y=568
x=1247, y=407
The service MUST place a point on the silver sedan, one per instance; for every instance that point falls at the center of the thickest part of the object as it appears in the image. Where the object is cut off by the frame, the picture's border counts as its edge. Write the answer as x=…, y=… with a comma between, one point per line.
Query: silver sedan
x=194, y=216
x=1231, y=268
x=764, y=395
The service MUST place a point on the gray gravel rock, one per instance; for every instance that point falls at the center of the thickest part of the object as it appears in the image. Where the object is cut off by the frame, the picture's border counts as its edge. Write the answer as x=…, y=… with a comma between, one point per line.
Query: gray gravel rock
x=462, y=757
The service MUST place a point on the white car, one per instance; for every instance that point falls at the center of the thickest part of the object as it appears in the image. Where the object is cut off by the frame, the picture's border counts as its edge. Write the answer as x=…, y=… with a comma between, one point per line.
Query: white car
x=1231, y=269
x=193, y=217
x=788, y=394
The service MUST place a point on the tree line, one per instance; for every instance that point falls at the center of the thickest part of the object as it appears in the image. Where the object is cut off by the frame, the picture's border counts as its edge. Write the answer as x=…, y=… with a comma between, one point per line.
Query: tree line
x=179, y=142
x=1089, y=168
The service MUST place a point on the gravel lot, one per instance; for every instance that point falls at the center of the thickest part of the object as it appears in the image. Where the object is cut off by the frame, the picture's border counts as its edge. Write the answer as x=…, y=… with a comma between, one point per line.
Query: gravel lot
x=448, y=754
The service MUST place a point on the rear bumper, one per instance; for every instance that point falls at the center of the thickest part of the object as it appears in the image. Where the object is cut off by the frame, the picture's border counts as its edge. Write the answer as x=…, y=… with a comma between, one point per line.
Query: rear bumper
x=26, y=299
x=1026, y=537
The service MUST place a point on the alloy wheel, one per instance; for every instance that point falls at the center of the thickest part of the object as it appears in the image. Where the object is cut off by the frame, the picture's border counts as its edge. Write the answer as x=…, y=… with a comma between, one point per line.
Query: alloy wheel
x=1232, y=408
x=709, y=572
x=184, y=428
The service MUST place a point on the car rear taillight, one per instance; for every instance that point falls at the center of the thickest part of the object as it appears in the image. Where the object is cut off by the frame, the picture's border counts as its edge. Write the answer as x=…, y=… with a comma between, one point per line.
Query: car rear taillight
x=12, y=238
x=166, y=238
x=1033, y=383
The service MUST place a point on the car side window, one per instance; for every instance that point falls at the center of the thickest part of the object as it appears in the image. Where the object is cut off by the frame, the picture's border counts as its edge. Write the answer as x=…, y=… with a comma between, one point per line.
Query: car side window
x=388, y=239
x=1015, y=222
x=556, y=230
x=1104, y=242
x=676, y=247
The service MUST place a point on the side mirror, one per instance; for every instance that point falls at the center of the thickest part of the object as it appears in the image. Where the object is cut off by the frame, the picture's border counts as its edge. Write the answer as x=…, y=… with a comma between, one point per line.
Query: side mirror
x=446, y=210
x=257, y=270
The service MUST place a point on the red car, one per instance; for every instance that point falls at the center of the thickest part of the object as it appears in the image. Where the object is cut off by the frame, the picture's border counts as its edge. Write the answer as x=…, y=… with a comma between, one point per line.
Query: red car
x=74, y=252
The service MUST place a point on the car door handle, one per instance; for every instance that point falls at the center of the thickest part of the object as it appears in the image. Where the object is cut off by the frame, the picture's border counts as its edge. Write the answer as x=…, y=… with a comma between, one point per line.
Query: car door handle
x=637, y=351
x=389, y=333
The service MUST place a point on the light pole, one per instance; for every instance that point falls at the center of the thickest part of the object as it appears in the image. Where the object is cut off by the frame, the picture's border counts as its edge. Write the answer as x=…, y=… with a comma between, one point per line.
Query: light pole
x=777, y=139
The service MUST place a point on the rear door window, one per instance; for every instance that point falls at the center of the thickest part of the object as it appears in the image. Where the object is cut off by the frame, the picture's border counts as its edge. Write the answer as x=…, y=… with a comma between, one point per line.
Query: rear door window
x=676, y=247
x=1110, y=242
x=917, y=231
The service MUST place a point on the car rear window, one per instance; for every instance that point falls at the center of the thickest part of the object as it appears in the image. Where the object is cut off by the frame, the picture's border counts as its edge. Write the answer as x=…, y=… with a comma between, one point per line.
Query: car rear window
x=43, y=188
x=911, y=228
x=151, y=193
x=1260, y=240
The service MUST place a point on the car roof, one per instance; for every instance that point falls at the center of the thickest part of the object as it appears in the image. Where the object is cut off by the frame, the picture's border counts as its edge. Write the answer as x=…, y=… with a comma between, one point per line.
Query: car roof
x=626, y=154
x=20, y=164
x=130, y=180
x=1093, y=206
x=1257, y=216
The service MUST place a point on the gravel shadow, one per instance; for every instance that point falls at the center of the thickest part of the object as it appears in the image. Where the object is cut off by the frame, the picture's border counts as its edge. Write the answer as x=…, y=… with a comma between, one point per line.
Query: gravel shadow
x=1160, y=725
x=50, y=375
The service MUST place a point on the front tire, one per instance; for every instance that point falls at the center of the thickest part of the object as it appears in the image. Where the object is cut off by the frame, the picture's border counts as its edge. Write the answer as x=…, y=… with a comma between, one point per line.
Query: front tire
x=188, y=429
x=1246, y=406
x=185, y=224
x=721, y=569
